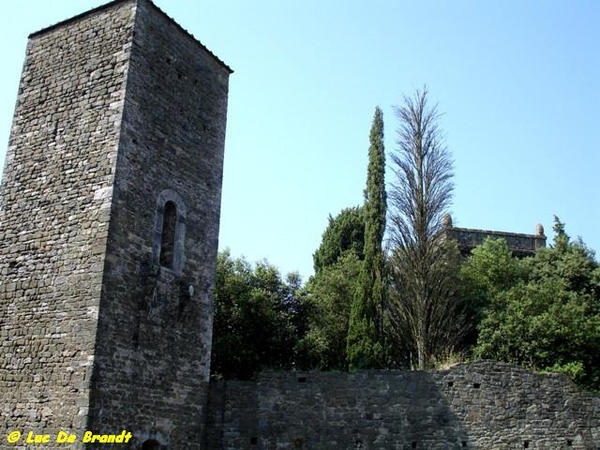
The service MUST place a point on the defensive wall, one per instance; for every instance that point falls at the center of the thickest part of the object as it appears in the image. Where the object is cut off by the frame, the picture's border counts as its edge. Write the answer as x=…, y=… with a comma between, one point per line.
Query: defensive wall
x=482, y=405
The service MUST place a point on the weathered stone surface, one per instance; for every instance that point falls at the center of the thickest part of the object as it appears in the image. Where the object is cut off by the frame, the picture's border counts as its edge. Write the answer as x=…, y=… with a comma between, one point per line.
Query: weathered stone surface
x=119, y=112
x=520, y=244
x=483, y=405
x=109, y=214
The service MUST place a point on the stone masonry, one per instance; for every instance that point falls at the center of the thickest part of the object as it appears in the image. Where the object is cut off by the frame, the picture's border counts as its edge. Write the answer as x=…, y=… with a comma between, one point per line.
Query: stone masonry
x=109, y=217
x=109, y=220
x=520, y=244
x=484, y=405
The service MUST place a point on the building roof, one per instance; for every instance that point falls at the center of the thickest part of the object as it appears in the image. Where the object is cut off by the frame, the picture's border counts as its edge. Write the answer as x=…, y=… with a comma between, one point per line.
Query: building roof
x=116, y=2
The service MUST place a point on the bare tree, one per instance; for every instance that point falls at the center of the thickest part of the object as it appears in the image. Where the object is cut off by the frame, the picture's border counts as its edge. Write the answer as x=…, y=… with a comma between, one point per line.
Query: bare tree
x=425, y=317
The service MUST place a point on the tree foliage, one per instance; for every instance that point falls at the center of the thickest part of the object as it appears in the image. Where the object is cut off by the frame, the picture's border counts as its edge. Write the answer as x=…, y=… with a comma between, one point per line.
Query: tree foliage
x=489, y=270
x=543, y=312
x=569, y=261
x=423, y=302
x=329, y=295
x=258, y=319
x=365, y=331
x=344, y=233
x=425, y=314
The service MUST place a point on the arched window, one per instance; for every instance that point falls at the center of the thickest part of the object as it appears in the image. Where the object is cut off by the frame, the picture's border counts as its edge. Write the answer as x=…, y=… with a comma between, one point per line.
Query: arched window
x=169, y=231
x=167, y=241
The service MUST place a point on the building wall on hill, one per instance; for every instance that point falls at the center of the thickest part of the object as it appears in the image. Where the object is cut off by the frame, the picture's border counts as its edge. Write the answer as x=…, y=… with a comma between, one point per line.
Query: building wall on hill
x=520, y=244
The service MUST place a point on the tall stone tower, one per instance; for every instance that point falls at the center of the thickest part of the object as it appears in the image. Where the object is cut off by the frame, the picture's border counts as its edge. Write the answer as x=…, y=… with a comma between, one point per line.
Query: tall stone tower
x=109, y=220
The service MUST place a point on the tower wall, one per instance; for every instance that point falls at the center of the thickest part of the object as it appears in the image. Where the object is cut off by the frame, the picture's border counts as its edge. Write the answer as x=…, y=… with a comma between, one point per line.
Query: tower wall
x=155, y=327
x=54, y=217
x=109, y=220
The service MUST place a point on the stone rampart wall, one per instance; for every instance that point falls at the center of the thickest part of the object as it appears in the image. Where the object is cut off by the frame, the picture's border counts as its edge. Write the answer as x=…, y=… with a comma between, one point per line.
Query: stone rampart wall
x=483, y=405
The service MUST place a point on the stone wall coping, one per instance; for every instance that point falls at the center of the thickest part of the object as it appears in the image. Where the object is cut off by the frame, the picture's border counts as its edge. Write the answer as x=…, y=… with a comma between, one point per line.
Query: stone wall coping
x=481, y=365
x=497, y=233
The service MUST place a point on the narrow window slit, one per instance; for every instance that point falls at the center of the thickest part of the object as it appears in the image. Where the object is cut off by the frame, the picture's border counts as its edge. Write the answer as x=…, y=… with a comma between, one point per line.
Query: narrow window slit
x=167, y=243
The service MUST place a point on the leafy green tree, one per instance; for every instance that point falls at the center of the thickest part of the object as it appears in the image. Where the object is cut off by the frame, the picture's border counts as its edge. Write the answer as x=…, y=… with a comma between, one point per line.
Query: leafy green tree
x=425, y=314
x=549, y=319
x=572, y=262
x=365, y=332
x=344, y=233
x=543, y=326
x=329, y=294
x=258, y=319
x=490, y=269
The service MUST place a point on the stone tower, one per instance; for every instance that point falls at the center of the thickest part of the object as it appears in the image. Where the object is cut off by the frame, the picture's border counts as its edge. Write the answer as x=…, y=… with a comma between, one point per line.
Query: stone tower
x=109, y=220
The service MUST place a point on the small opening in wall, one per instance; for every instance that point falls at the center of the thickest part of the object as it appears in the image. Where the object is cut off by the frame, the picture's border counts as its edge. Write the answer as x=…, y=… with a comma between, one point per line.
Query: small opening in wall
x=525, y=444
x=450, y=383
x=253, y=441
x=302, y=379
x=168, y=60
x=151, y=444
x=136, y=339
x=167, y=245
x=414, y=445
x=464, y=444
x=569, y=442
x=476, y=385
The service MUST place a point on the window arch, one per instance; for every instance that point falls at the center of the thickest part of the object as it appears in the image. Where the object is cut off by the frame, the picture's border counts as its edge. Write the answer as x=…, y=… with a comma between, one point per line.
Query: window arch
x=169, y=231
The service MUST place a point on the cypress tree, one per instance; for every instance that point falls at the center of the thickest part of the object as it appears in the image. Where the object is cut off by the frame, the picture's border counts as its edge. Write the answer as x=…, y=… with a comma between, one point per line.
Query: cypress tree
x=365, y=347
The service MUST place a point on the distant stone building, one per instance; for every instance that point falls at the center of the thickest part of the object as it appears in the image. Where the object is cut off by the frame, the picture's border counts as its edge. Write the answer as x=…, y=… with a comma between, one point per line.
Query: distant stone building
x=109, y=221
x=520, y=244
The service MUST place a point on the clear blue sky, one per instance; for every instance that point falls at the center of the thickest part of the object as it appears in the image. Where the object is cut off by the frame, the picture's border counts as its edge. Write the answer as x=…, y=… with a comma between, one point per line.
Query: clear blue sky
x=518, y=82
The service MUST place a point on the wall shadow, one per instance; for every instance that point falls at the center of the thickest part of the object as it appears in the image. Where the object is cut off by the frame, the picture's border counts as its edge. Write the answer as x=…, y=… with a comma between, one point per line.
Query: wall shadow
x=482, y=405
